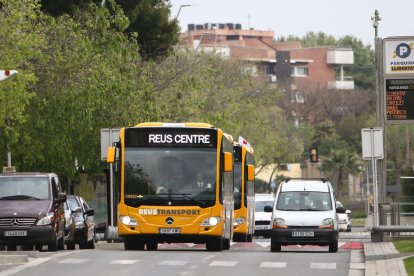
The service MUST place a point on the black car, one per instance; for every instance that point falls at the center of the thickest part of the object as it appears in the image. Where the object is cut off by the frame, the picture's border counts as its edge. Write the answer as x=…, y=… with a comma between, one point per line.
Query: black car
x=83, y=224
x=31, y=211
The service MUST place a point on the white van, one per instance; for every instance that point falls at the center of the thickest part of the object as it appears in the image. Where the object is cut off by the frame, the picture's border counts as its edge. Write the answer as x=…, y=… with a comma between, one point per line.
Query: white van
x=261, y=218
x=304, y=213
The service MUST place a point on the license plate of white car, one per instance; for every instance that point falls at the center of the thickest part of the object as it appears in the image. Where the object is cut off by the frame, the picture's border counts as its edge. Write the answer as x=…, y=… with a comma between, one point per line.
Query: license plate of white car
x=15, y=233
x=303, y=234
x=262, y=227
x=170, y=230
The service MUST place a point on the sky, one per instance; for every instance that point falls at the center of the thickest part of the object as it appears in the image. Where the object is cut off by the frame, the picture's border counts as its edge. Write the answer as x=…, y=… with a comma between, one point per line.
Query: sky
x=298, y=17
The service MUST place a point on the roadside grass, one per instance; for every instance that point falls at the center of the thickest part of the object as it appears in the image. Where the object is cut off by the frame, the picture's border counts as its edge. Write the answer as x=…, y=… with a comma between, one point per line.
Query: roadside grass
x=358, y=221
x=406, y=246
x=409, y=265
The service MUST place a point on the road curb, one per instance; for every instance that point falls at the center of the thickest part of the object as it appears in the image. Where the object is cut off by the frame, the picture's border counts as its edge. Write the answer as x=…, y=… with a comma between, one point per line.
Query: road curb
x=14, y=259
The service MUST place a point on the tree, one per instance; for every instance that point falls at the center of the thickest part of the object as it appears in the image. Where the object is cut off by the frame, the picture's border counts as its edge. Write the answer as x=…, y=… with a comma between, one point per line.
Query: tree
x=157, y=34
x=21, y=44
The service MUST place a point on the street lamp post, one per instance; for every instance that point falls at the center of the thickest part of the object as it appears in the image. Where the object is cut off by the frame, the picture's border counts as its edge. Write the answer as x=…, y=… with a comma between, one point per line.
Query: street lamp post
x=179, y=10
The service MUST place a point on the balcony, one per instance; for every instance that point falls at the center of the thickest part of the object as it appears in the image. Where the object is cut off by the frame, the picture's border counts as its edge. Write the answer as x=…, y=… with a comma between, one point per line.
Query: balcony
x=340, y=56
x=347, y=83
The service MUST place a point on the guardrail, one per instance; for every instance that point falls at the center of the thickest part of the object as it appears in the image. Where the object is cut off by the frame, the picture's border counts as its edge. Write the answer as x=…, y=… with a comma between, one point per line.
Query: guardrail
x=377, y=232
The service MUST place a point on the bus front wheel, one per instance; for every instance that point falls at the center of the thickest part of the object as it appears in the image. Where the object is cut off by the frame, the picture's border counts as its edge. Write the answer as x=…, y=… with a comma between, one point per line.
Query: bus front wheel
x=214, y=244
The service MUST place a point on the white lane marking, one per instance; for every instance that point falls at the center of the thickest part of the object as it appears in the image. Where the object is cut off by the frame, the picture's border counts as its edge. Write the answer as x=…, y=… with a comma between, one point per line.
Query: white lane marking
x=73, y=261
x=232, y=243
x=124, y=262
x=17, y=269
x=263, y=244
x=209, y=257
x=222, y=263
x=173, y=263
x=341, y=243
x=191, y=245
x=323, y=265
x=273, y=264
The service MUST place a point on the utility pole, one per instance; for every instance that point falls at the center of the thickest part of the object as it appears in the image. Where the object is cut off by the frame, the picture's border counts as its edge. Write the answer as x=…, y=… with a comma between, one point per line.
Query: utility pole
x=381, y=166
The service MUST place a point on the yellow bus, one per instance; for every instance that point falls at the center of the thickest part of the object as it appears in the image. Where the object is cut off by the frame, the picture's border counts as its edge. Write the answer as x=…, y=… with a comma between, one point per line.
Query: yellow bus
x=176, y=185
x=243, y=169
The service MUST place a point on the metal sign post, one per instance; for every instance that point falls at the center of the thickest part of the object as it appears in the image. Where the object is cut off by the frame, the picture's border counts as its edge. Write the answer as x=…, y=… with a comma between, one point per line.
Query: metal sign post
x=108, y=137
x=373, y=149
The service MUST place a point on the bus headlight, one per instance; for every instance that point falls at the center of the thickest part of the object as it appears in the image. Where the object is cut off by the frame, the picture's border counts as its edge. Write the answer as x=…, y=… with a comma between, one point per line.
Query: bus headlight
x=211, y=221
x=46, y=220
x=239, y=221
x=127, y=220
x=327, y=223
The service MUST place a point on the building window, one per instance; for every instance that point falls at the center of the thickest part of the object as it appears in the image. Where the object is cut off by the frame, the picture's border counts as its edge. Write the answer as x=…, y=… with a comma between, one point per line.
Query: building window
x=299, y=71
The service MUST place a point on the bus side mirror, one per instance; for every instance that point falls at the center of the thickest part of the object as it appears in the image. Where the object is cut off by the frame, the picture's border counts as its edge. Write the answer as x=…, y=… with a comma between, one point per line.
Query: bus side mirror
x=250, y=172
x=110, y=156
x=228, y=162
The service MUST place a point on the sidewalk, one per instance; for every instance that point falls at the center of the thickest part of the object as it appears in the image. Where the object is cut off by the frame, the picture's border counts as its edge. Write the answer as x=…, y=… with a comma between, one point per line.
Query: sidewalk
x=381, y=258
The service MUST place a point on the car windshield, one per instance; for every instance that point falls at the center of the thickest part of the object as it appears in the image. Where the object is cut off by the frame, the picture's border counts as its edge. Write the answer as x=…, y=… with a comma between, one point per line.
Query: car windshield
x=73, y=203
x=259, y=205
x=174, y=176
x=304, y=200
x=24, y=188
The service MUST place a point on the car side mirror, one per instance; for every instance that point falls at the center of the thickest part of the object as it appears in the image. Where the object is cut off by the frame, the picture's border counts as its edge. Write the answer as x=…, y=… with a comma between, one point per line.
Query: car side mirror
x=268, y=209
x=348, y=212
x=90, y=212
x=340, y=210
x=76, y=210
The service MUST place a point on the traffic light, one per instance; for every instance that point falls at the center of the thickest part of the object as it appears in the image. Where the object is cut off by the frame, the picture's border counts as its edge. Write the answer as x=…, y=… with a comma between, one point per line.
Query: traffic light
x=313, y=154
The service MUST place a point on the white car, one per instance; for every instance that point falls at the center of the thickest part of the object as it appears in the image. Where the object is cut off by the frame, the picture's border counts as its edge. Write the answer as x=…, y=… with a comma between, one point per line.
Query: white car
x=261, y=218
x=304, y=213
x=344, y=221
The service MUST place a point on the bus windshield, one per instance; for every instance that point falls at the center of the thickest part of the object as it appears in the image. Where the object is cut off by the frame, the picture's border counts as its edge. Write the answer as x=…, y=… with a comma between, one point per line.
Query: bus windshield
x=170, y=176
x=237, y=186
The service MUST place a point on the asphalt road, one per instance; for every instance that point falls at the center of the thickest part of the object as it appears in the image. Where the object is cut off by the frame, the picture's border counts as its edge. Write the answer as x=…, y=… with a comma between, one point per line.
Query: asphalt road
x=188, y=259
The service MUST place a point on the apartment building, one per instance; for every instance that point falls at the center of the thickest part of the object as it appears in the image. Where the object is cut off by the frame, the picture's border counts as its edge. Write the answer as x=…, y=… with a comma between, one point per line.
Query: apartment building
x=287, y=63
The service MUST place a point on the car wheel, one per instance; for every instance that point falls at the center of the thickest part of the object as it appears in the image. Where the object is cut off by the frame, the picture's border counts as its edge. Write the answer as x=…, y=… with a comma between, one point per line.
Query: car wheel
x=249, y=238
x=38, y=247
x=70, y=246
x=275, y=246
x=333, y=247
x=91, y=244
x=53, y=245
x=61, y=243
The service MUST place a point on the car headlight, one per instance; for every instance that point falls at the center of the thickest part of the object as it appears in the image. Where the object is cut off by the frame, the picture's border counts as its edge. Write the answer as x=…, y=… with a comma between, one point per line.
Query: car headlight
x=279, y=223
x=211, y=221
x=239, y=221
x=327, y=223
x=129, y=221
x=46, y=220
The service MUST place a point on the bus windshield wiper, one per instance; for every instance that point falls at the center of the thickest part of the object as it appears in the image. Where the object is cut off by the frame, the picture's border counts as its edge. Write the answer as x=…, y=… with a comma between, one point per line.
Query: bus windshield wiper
x=18, y=197
x=186, y=196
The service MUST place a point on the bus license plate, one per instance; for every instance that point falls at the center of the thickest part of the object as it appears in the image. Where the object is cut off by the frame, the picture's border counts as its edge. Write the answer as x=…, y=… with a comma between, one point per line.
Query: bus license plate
x=15, y=233
x=170, y=230
x=303, y=234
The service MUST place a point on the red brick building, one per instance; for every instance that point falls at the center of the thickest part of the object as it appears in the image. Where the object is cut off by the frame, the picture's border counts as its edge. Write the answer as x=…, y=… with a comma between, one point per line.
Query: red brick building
x=283, y=62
